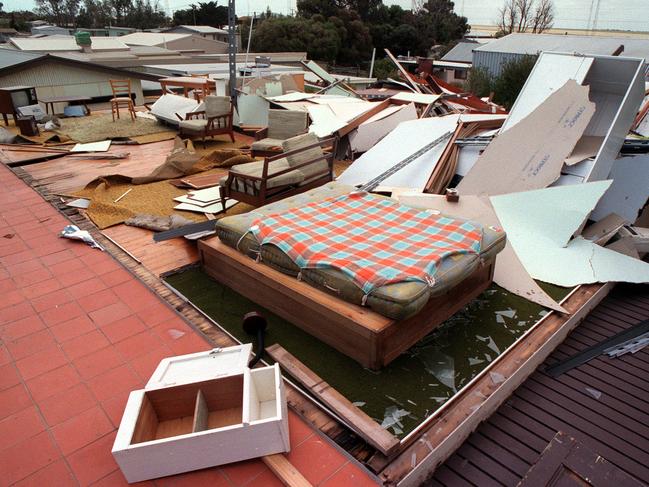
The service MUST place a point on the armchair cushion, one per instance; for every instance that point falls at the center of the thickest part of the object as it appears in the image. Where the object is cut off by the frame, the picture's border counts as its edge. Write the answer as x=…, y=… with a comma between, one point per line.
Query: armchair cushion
x=311, y=170
x=283, y=124
x=193, y=125
x=267, y=144
x=256, y=168
x=217, y=105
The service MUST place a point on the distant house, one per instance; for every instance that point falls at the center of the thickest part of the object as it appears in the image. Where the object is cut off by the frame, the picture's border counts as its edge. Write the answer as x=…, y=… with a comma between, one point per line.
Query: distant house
x=493, y=55
x=5, y=34
x=455, y=64
x=55, y=76
x=48, y=30
x=66, y=43
x=188, y=43
x=200, y=30
x=109, y=31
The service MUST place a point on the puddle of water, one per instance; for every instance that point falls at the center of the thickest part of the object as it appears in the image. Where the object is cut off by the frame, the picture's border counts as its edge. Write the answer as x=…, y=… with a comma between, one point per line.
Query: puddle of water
x=407, y=391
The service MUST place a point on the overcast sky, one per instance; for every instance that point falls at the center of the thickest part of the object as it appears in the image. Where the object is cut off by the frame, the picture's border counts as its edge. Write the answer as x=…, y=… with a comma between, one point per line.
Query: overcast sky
x=613, y=14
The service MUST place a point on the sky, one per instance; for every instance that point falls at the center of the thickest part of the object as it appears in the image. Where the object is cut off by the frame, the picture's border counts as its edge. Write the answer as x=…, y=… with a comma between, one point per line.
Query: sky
x=613, y=14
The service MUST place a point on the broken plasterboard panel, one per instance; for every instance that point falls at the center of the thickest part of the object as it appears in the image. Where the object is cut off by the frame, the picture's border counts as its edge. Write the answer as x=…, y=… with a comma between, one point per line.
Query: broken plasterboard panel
x=629, y=191
x=288, y=97
x=422, y=98
x=252, y=110
x=371, y=131
x=323, y=120
x=550, y=73
x=167, y=106
x=406, y=139
x=509, y=273
x=101, y=146
x=530, y=154
x=212, y=208
x=602, y=231
x=531, y=221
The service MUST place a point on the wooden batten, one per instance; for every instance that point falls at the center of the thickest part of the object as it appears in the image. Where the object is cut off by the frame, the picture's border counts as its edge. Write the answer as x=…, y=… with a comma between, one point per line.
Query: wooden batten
x=357, y=420
x=364, y=335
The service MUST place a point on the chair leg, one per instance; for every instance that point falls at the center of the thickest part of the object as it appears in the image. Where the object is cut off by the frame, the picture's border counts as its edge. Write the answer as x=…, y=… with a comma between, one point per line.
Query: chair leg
x=131, y=109
x=232, y=136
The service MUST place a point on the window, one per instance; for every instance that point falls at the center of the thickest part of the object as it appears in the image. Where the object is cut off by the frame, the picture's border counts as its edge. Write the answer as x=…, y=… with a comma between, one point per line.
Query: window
x=460, y=73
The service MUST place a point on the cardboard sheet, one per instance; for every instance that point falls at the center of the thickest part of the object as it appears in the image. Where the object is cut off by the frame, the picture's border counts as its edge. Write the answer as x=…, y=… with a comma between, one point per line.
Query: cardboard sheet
x=588, y=146
x=510, y=273
x=406, y=139
x=531, y=153
x=539, y=225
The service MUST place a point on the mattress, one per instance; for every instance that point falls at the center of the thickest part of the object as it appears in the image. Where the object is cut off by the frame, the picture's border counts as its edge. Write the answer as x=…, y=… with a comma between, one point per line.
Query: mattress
x=397, y=301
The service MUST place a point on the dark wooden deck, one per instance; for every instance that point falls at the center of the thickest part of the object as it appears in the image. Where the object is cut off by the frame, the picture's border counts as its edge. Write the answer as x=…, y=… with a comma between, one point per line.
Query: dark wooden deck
x=603, y=403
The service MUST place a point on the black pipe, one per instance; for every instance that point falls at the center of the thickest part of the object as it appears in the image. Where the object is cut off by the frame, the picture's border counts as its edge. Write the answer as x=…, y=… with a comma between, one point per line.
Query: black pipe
x=255, y=324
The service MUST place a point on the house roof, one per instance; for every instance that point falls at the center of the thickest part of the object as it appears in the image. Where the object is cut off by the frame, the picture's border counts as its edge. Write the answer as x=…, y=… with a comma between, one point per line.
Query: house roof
x=523, y=43
x=151, y=38
x=461, y=53
x=12, y=57
x=203, y=29
x=66, y=43
x=12, y=61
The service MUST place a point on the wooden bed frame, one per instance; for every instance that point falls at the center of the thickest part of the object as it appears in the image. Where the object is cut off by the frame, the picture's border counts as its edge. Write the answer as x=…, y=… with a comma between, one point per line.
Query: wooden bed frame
x=369, y=338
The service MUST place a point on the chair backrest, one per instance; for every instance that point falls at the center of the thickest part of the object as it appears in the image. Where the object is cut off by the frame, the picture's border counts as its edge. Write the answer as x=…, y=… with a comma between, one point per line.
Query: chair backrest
x=217, y=105
x=318, y=167
x=284, y=124
x=120, y=87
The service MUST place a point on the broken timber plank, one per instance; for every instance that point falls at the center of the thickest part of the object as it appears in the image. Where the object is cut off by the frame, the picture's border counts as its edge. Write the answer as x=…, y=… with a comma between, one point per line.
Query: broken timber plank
x=355, y=418
x=405, y=73
x=285, y=471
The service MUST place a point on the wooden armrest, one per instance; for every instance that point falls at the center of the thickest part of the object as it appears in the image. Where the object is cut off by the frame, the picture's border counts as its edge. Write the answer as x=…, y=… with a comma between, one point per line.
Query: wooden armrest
x=261, y=134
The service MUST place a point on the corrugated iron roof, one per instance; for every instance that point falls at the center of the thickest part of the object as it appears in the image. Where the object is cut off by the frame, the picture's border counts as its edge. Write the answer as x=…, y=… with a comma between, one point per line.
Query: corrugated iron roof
x=12, y=57
x=523, y=43
x=461, y=53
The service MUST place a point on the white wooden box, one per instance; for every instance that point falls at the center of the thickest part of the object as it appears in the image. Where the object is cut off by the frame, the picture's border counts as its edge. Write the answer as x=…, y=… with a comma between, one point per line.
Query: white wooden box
x=202, y=410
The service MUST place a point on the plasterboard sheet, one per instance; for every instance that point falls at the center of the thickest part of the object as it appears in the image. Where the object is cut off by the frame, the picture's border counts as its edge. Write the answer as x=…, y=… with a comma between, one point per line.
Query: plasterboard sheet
x=530, y=154
x=538, y=222
x=468, y=156
x=323, y=120
x=252, y=110
x=204, y=195
x=587, y=147
x=288, y=97
x=406, y=139
x=509, y=273
x=318, y=71
x=483, y=117
x=371, y=131
x=167, y=106
x=349, y=111
x=202, y=204
x=416, y=97
x=550, y=73
x=629, y=191
x=101, y=146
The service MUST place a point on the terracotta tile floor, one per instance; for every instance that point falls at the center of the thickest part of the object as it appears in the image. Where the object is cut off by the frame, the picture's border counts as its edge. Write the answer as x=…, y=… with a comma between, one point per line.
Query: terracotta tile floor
x=77, y=333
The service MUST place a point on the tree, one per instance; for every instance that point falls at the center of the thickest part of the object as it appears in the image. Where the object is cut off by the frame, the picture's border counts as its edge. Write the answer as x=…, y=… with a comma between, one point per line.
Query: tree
x=203, y=13
x=543, y=16
x=437, y=23
x=521, y=15
x=145, y=15
x=480, y=82
x=513, y=75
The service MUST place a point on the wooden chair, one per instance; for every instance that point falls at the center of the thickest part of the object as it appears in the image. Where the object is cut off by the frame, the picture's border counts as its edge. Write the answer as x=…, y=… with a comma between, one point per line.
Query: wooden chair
x=302, y=166
x=121, y=96
x=282, y=125
x=216, y=119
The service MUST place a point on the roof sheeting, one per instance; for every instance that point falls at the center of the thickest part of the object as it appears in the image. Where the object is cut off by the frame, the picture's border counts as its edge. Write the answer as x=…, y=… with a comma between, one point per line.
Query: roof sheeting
x=521, y=43
x=461, y=53
x=203, y=29
x=11, y=57
x=67, y=43
x=151, y=38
